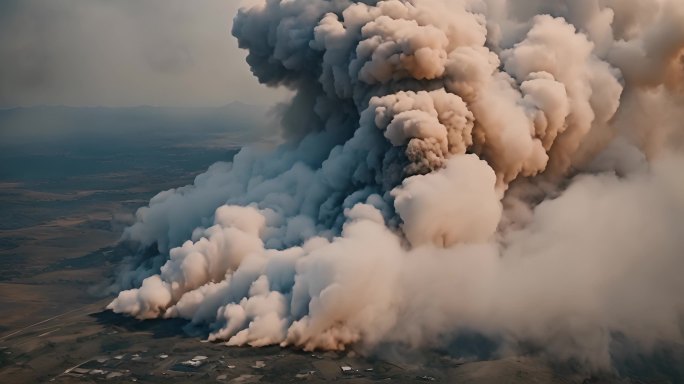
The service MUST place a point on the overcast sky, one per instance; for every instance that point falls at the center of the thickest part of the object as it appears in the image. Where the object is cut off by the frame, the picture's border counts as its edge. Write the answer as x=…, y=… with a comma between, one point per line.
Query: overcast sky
x=123, y=53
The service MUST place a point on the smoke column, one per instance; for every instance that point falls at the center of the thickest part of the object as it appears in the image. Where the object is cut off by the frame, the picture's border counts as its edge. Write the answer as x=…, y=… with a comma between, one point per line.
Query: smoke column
x=509, y=168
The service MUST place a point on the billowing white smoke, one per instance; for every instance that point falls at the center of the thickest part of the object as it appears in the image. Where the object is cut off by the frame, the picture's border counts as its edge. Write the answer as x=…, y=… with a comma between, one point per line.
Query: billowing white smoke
x=405, y=206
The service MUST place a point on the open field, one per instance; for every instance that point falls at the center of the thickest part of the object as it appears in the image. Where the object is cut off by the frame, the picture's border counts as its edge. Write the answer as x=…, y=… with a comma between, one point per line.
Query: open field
x=87, y=345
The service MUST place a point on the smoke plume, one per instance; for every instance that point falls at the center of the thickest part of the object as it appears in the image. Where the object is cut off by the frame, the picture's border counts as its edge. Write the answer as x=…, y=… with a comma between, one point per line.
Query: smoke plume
x=509, y=168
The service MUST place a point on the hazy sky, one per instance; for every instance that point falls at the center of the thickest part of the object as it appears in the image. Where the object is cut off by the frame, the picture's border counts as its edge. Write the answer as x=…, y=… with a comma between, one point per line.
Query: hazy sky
x=123, y=53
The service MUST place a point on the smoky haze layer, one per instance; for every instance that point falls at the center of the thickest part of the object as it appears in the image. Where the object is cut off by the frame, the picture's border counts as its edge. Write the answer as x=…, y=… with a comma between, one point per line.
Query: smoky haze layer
x=509, y=168
x=78, y=53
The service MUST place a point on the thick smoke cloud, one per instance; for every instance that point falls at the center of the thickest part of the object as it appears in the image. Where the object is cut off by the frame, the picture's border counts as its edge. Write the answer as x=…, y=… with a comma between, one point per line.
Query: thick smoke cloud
x=490, y=166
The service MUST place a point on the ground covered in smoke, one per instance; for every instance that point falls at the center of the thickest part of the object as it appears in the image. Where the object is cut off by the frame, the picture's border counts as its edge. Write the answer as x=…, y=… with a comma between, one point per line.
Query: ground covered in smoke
x=510, y=169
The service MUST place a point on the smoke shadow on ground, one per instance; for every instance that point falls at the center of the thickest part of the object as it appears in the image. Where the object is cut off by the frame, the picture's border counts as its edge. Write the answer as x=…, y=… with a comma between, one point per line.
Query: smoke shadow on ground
x=158, y=328
x=457, y=349
x=663, y=363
